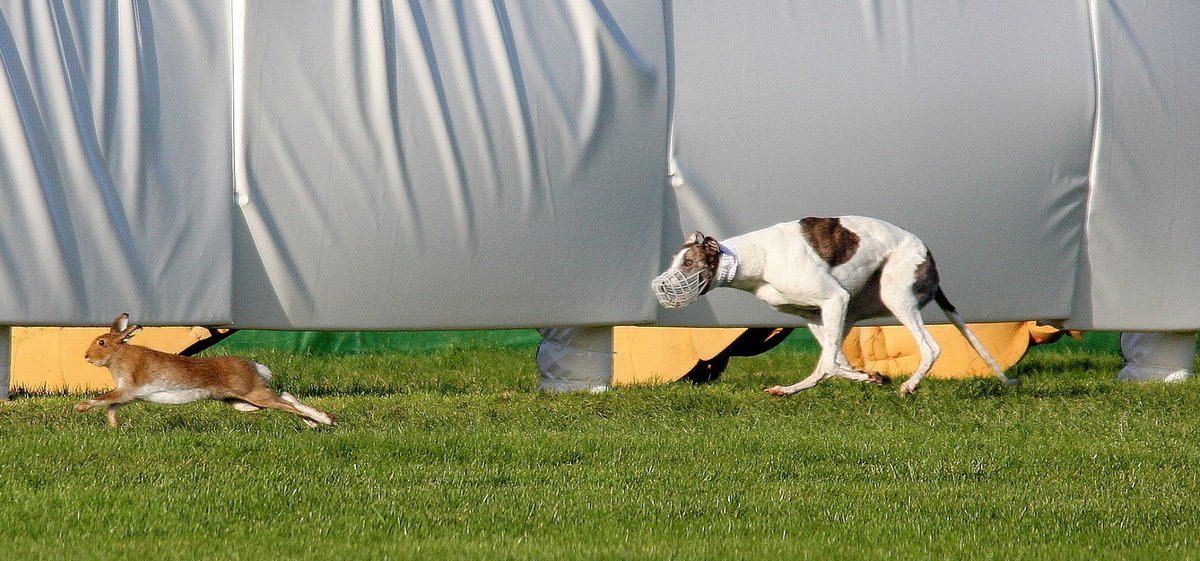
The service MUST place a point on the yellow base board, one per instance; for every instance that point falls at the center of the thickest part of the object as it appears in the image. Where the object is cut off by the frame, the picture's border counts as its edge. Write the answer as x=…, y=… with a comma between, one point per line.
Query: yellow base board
x=654, y=355
x=891, y=350
x=50, y=359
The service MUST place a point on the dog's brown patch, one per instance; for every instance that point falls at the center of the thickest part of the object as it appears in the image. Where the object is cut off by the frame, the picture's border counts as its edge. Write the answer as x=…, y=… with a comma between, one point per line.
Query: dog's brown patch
x=702, y=252
x=832, y=241
x=925, y=280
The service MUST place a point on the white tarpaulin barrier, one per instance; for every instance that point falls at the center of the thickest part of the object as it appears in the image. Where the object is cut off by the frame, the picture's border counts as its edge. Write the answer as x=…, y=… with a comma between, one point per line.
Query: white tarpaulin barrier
x=411, y=164
x=450, y=165
x=115, y=162
x=1142, y=270
x=970, y=126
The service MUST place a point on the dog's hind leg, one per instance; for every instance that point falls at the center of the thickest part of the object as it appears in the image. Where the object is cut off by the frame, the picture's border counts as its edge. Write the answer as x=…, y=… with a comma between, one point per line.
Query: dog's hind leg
x=864, y=377
x=903, y=305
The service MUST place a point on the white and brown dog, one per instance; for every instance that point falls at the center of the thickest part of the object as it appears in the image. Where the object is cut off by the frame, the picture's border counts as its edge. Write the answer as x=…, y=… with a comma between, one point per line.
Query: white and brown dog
x=830, y=271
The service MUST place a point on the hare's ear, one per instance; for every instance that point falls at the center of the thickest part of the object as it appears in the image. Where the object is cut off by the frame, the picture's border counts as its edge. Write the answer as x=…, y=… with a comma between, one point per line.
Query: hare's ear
x=120, y=323
x=128, y=334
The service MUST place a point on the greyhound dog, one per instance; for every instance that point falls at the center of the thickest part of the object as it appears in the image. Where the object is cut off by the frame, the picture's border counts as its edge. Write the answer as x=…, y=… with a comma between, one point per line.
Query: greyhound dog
x=831, y=272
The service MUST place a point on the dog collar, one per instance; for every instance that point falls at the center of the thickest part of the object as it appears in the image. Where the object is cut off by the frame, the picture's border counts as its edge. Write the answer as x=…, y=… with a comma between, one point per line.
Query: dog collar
x=726, y=267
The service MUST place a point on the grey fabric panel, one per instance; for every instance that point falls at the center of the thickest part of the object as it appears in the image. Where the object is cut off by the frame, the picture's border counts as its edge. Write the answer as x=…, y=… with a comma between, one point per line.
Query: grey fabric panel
x=115, y=162
x=422, y=165
x=450, y=165
x=970, y=127
x=1143, y=250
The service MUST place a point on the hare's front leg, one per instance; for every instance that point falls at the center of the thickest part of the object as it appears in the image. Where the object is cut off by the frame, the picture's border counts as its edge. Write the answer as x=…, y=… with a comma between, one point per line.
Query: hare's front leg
x=114, y=400
x=111, y=413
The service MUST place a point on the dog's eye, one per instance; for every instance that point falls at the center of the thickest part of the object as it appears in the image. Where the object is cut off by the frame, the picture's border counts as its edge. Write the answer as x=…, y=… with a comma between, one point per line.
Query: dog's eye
x=687, y=262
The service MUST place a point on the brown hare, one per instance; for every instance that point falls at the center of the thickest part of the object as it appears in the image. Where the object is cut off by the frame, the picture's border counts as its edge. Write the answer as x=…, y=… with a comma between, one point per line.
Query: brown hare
x=149, y=375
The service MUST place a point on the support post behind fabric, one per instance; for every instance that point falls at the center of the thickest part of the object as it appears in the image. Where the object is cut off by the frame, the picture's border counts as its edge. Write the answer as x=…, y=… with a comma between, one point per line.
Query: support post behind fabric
x=5, y=359
x=1163, y=357
x=575, y=359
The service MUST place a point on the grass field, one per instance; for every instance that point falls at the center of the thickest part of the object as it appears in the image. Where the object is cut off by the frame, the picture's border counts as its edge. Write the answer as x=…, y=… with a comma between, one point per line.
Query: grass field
x=452, y=455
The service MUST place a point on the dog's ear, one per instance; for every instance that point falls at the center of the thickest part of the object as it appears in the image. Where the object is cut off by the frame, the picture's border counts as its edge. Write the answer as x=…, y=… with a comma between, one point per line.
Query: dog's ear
x=695, y=238
x=711, y=246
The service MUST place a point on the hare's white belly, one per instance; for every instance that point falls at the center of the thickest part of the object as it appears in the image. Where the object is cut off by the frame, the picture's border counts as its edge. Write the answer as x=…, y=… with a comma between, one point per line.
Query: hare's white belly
x=172, y=396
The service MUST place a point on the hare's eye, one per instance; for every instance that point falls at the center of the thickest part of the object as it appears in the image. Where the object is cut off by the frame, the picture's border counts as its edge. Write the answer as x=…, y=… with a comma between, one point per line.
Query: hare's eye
x=100, y=342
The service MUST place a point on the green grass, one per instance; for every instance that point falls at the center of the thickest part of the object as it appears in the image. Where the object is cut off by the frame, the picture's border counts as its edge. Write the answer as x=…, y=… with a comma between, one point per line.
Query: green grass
x=453, y=455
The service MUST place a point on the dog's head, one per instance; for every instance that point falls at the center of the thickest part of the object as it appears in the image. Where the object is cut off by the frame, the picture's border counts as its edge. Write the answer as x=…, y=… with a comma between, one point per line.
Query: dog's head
x=691, y=272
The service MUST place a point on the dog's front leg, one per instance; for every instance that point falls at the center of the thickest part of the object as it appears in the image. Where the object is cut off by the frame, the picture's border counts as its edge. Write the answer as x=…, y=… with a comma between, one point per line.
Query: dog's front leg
x=813, y=379
x=828, y=334
x=841, y=364
x=842, y=367
x=833, y=323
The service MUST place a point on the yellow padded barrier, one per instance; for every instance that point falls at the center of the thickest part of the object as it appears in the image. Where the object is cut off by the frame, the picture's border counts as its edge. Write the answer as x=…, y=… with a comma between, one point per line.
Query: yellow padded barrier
x=50, y=359
x=891, y=350
x=654, y=355
x=650, y=355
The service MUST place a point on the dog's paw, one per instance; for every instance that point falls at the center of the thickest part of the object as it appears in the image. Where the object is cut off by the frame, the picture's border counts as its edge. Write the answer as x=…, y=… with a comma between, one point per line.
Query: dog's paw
x=83, y=406
x=778, y=390
x=878, y=379
x=907, y=389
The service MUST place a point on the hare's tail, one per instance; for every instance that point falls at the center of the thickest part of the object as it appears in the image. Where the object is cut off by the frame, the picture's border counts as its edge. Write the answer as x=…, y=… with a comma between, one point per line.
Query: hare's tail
x=263, y=371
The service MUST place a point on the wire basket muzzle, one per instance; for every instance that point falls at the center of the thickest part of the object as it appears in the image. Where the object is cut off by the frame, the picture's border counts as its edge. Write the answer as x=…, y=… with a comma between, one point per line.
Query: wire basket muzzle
x=675, y=290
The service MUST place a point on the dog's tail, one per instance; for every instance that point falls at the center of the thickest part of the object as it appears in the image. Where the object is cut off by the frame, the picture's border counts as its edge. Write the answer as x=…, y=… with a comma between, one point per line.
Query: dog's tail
x=952, y=315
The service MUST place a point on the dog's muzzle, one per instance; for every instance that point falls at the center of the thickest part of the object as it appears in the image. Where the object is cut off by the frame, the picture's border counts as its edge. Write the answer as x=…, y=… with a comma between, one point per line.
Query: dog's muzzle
x=674, y=290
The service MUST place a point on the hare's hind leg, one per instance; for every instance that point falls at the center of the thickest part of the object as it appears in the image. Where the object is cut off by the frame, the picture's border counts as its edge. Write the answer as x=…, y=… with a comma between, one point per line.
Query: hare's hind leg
x=264, y=397
x=312, y=414
x=241, y=405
